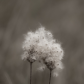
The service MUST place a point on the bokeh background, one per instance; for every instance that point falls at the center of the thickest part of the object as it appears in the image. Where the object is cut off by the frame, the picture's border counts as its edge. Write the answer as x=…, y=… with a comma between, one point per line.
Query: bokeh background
x=64, y=18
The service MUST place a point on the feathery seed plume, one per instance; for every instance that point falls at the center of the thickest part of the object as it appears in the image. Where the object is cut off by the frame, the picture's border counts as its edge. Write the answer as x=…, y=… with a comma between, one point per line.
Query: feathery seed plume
x=40, y=45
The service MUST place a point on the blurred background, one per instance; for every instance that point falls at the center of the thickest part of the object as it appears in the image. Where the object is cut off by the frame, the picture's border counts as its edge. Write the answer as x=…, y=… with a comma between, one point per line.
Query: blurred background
x=64, y=18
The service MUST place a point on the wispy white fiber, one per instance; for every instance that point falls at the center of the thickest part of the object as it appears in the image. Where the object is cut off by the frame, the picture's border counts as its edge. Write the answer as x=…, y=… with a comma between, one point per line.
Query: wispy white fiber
x=40, y=45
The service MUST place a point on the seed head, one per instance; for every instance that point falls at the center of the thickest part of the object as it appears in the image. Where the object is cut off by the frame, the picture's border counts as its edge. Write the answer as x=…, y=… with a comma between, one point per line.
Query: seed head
x=35, y=44
x=41, y=46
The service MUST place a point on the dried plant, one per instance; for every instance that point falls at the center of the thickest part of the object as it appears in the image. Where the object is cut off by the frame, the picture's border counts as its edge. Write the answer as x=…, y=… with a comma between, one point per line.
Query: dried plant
x=41, y=46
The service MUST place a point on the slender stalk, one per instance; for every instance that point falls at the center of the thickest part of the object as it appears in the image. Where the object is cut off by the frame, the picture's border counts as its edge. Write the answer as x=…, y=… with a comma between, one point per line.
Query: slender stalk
x=30, y=72
x=50, y=77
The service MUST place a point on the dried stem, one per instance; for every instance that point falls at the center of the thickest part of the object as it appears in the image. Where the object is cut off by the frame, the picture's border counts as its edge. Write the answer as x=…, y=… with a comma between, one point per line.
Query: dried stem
x=30, y=72
x=50, y=77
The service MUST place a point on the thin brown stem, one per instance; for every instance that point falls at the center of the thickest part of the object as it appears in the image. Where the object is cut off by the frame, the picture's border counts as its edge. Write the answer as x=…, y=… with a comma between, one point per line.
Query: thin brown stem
x=50, y=77
x=30, y=72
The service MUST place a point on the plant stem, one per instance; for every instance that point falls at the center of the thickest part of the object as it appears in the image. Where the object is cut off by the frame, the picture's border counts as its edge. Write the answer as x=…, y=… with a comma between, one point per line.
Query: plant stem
x=50, y=77
x=30, y=72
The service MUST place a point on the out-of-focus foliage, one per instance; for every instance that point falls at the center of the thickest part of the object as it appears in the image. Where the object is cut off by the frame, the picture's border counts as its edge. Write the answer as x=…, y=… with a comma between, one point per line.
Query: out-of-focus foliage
x=64, y=18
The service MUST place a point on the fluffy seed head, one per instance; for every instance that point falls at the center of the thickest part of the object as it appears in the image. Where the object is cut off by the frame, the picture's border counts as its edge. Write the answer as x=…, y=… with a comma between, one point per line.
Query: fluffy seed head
x=35, y=44
x=40, y=45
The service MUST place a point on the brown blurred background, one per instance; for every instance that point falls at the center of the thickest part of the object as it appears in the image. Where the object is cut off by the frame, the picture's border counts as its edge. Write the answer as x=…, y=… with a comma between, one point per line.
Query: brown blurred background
x=64, y=18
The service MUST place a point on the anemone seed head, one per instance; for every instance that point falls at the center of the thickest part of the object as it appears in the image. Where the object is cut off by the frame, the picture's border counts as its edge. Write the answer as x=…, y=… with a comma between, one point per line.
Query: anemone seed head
x=40, y=45
x=35, y=44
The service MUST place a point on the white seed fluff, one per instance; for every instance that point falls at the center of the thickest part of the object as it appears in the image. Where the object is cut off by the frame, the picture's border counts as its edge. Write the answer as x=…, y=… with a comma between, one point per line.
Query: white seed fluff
x=40, y=45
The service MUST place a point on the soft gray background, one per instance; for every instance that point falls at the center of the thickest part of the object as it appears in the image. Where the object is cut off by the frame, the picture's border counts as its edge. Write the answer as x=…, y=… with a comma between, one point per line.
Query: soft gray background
x=64, y=18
